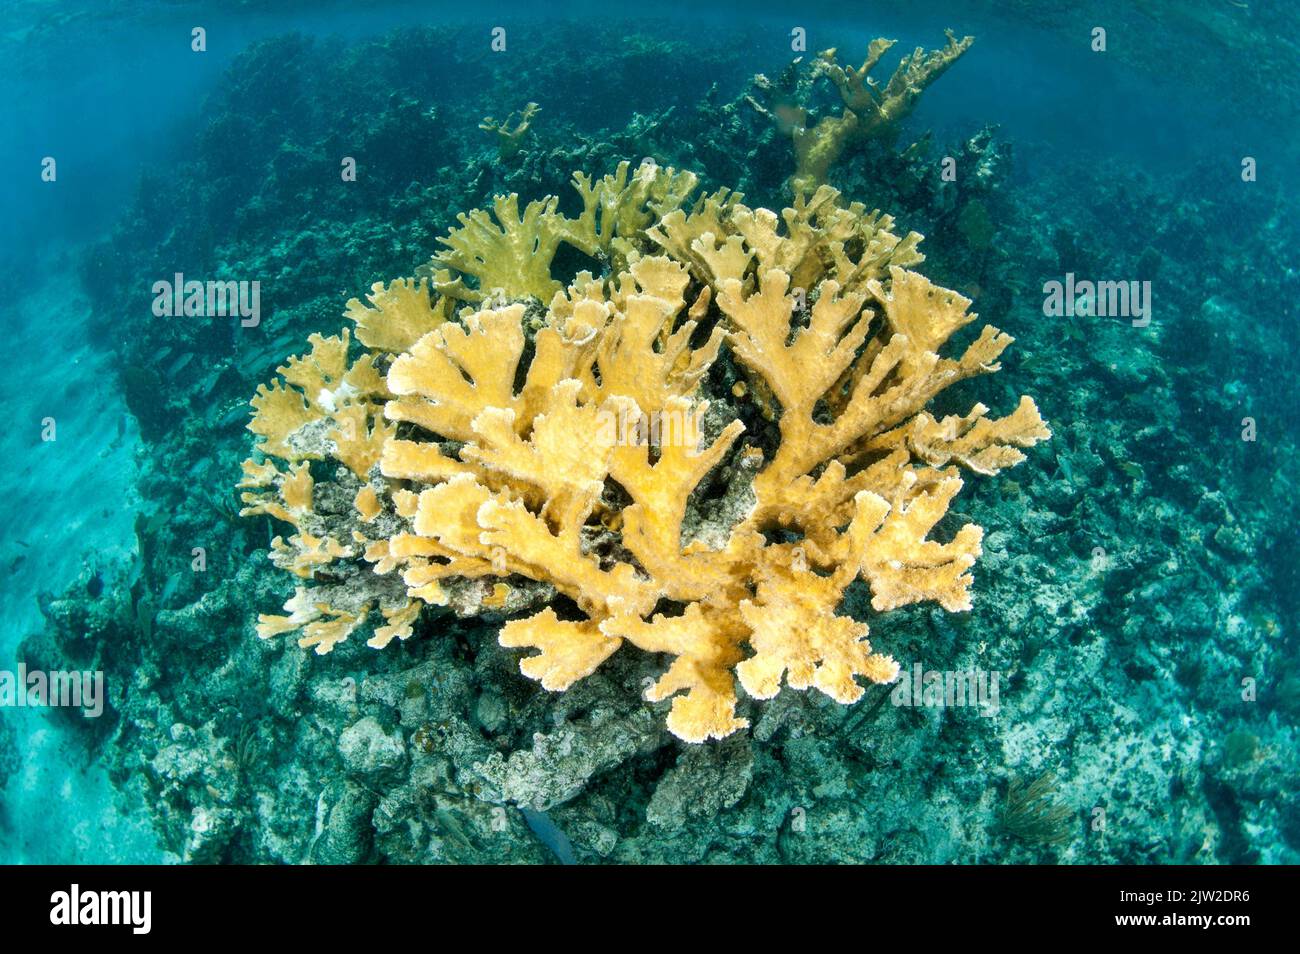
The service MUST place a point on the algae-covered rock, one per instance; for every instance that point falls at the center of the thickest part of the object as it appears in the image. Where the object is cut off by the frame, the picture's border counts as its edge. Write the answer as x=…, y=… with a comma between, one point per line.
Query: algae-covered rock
x=344, y=833
x=704, y=781
x=370, y=753
x=560, y=764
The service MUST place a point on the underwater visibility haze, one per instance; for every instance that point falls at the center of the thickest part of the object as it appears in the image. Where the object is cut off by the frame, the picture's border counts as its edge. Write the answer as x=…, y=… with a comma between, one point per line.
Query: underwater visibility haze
x=747, y=433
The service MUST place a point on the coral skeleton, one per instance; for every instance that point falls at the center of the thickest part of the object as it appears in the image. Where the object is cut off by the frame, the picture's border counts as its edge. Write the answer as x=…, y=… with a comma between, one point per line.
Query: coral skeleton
x=498, y=442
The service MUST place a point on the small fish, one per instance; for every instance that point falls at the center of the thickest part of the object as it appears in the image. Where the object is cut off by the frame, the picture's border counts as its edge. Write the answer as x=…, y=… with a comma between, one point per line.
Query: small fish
x=144, y=617
x=238, y=414
x=1066, y=470
x=179, y=364
x=549, y=834
x=169, y=589
x=452, y=829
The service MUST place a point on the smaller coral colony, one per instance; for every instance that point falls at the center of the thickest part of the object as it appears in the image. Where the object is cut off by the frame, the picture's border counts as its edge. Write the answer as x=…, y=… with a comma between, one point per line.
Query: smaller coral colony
x=572, y=457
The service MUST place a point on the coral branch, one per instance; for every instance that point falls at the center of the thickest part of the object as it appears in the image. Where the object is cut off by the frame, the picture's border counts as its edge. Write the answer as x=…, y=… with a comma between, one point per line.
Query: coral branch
x=870, y=111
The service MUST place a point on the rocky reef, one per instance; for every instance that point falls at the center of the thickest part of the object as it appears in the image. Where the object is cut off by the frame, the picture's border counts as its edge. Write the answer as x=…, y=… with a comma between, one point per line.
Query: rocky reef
x=1136, y=589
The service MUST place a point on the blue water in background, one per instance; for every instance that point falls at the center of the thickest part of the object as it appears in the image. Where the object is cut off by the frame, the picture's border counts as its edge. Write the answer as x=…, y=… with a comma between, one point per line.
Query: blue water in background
x=111, y=89
x=109, y=94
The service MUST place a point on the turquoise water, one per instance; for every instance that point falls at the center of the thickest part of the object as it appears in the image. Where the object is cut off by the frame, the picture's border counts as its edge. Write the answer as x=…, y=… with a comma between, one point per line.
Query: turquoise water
x=1137, y=590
